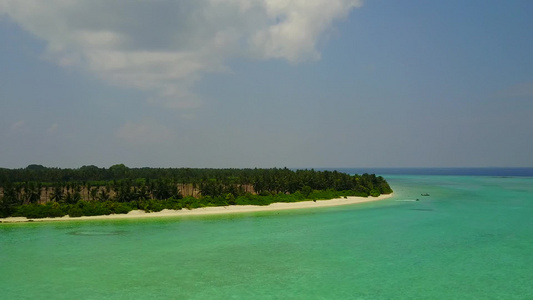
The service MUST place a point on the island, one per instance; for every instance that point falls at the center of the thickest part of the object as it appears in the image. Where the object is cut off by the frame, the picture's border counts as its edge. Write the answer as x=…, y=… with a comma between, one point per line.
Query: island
x=38, y=192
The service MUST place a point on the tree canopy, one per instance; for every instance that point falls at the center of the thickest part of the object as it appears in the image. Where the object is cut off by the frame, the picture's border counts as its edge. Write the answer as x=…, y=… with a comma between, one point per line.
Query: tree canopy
x=42, y=191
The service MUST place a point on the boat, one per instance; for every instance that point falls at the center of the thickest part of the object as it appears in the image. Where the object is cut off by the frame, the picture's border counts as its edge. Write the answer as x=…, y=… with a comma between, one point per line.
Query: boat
x=425, y=194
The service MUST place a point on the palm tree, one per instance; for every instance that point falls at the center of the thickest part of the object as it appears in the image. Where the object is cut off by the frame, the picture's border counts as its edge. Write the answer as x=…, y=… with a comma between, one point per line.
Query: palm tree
x=57, y=192
x=93, y=193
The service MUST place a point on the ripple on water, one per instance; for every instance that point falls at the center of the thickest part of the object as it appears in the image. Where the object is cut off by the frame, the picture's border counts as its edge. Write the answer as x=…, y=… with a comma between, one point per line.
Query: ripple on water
x=96, y=233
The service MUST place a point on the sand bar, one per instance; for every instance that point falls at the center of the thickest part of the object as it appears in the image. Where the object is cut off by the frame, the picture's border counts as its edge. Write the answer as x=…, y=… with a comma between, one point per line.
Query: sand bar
x=216, y=210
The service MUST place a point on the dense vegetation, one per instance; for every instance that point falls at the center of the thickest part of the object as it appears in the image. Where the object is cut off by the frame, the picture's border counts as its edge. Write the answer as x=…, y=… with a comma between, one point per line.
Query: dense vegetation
x=37, y=191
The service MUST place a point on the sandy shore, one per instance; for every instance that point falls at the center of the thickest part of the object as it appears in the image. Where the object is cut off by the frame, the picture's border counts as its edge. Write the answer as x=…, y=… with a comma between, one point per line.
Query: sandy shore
x=138, y=214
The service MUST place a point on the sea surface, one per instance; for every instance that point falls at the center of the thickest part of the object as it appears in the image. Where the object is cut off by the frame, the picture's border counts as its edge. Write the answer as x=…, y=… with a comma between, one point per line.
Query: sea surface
x=471, y=238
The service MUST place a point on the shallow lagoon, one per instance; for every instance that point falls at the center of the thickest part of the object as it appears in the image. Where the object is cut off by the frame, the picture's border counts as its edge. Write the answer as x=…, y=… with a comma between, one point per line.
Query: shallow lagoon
x=472, y=238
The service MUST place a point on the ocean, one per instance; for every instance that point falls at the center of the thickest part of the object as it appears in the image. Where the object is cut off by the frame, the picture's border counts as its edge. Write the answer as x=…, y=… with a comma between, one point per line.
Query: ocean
x=471, y=238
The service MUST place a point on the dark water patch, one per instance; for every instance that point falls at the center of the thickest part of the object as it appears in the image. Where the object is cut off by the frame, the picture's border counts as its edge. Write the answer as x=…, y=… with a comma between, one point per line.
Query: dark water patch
x=493, y=172
x=96, y=233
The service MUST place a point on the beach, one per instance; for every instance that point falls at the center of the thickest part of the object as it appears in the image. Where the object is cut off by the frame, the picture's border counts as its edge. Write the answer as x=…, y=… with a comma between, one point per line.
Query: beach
x=214, y=210
x=473, y=233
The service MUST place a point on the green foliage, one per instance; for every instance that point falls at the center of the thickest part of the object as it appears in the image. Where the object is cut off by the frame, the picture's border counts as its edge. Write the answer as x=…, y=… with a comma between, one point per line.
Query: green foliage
x=325, y=195
x=9, y=200
x=359, y=194
x=150, y=205
x=230, y=199
x=49, y=210
x=81, y=208
x=35, y=167
x=374, y=192
x=173, y=203
x=190, y=203
x=306, y=190
x=90, y=190
x=75, y=211
x=298, y=196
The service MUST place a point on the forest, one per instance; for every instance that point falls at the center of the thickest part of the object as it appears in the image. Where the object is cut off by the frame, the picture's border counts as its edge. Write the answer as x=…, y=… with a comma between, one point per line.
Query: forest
x=38, y=192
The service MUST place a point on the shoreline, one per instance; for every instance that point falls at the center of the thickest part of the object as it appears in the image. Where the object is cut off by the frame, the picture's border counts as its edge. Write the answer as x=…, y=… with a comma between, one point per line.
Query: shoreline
x=213, y=210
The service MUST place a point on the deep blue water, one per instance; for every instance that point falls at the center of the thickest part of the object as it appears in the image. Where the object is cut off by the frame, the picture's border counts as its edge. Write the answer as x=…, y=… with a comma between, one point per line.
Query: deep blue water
x=522, y=172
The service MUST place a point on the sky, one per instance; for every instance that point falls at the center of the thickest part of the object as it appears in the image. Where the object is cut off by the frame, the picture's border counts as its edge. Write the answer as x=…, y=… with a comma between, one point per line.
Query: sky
x=266, y=83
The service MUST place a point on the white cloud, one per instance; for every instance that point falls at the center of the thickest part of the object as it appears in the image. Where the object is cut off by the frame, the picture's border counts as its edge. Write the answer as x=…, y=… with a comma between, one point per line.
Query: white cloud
x=165, y=46
x=52, y=129
x=297, y=27
x=19, y=125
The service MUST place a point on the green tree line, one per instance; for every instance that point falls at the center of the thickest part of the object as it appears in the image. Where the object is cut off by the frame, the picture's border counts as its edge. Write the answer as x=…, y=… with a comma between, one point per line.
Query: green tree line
x=38, y=191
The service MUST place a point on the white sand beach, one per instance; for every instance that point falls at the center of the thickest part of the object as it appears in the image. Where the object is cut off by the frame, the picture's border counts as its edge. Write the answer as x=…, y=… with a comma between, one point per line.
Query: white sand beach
x=138, y=214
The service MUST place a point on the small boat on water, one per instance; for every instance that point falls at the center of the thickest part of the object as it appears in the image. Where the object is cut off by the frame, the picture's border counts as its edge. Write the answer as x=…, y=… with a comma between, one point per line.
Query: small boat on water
x=425, y=194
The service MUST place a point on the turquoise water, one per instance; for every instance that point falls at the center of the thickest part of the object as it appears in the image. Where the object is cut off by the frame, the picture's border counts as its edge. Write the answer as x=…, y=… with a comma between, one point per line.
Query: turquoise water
x=472, y=238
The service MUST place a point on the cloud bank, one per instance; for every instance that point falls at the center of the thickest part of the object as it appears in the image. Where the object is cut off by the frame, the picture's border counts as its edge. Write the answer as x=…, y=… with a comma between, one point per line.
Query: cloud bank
x=165, y=46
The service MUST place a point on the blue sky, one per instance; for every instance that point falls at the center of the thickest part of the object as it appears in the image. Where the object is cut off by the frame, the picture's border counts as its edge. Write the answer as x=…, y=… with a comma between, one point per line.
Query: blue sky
x=266, y=83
